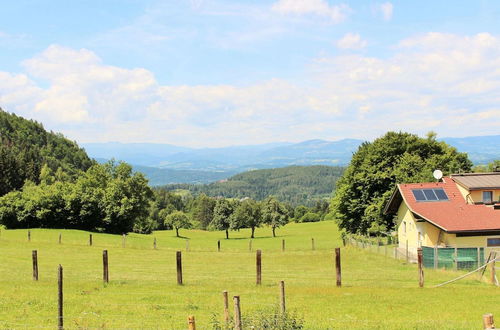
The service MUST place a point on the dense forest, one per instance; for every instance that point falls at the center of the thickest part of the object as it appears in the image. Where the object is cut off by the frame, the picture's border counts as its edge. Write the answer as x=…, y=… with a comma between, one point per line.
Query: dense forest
x=296, y=185
x=25, y=147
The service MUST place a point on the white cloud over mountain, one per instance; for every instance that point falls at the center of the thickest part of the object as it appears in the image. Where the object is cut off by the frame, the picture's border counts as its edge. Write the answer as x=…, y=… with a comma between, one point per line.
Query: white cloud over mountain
x=443, y=82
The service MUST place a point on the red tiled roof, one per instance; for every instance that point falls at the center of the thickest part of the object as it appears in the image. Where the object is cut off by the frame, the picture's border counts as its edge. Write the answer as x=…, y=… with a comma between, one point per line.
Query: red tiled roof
x=454, y=215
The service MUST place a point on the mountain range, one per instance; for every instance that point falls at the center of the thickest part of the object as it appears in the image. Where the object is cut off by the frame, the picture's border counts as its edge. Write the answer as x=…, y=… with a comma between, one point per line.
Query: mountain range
x=166, y=163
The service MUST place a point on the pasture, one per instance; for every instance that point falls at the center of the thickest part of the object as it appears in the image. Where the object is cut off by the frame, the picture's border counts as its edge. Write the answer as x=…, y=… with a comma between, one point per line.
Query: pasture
x=377, y=292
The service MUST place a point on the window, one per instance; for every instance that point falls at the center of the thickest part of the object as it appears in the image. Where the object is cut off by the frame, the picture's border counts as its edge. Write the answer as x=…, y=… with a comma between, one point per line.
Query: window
x=487, y=197
x=493, y=241
x=430, y=195
x=404, y=227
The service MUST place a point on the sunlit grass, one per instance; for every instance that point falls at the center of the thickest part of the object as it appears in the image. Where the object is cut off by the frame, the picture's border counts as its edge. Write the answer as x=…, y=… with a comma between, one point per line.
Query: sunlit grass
x=377, y=292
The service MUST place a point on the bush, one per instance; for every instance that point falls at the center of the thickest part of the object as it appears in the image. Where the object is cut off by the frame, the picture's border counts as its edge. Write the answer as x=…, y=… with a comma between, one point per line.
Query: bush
x=310, y=217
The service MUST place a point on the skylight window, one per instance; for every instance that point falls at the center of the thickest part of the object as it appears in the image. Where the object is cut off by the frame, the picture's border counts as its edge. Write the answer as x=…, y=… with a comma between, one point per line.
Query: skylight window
x=430, y=195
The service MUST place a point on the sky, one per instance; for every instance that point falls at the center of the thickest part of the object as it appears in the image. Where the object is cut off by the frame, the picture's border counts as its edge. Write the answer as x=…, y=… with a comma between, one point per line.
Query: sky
x=212, y=73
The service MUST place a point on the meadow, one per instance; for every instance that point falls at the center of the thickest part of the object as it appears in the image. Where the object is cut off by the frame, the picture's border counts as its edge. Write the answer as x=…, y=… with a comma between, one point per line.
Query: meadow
x=377, y=292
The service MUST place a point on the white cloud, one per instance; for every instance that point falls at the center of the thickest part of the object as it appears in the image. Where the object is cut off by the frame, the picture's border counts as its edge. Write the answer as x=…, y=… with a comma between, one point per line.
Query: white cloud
x=351, y=41
x=386, y=10
x=442, y=82
x=336, y=13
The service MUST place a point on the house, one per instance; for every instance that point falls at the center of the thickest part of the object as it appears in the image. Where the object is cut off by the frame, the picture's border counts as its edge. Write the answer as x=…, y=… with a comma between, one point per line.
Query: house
x=460, y=211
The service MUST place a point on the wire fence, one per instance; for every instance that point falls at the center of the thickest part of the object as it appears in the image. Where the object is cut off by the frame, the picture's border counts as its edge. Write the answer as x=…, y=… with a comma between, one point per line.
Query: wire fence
x=453, y=258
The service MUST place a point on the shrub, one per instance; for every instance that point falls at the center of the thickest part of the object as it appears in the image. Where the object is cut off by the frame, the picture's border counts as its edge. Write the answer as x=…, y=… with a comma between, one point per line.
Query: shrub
x=310, y=217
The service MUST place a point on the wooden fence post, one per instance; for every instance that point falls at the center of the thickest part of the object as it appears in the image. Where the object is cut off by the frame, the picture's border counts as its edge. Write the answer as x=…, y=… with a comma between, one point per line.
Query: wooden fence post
x=436, y=257
x=420, y=268
x=282, y=297
x=123, y=240
x=312, y=244
x=282, y=245
x=29, y=235
x=90, y=239
x=259, y=266
x=105, y=270
x=60, y=238
x=237, y=313
x=226, y=306
x=478, y=257
x=456, y=258
x=493, y=272
x=218, y=245
x=191, y=323
x=154, y=243
x=179, y=267
x=338, y=269
x=60, y=298
x=34, y=256
x=488, y=321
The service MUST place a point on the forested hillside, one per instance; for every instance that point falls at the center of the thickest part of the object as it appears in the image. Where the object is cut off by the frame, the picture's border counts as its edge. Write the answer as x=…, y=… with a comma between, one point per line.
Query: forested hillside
x=295, y=184
x=25, y=147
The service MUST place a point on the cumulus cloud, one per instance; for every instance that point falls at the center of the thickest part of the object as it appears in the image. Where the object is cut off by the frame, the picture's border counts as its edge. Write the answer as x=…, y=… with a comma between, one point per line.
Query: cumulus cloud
x=385, y=9
x=442, y=82
x=336, y=13
x=351, y=41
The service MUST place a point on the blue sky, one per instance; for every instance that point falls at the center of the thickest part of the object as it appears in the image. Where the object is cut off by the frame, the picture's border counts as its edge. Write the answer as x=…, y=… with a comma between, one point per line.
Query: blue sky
x=215, y=73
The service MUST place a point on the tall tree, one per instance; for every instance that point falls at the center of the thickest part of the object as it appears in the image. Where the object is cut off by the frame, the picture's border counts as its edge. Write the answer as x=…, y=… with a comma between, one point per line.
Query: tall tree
x=178, y=220
x=376, y=167
x=203, y=210
x=274, y=214
x=222, y=215
x=247, y=214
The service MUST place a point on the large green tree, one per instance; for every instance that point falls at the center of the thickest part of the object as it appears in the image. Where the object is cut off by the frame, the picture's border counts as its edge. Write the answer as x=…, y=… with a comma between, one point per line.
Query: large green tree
x=247, y=215
x=274, y=214
x=203, y=210
x=178, y=220
x=377, y=166
x=223, y=212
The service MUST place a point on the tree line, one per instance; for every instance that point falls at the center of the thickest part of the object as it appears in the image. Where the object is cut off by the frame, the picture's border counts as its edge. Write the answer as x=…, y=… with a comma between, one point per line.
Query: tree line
x=296, y=185
x=173, y=211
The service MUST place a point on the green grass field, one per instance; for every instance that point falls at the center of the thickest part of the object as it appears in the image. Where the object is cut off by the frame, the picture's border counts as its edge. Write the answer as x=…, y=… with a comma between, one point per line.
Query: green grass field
x=377, y=292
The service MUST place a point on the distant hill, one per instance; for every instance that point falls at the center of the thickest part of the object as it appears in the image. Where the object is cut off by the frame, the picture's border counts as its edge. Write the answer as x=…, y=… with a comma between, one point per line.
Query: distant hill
x=481, y=149
x=25, y=146
x=235, y=159
x=294, y=184
x=222, y=162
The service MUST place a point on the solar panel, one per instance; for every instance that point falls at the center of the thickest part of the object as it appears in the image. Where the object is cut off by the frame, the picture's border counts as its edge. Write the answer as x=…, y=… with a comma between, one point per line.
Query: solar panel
x=419, y=195
x=430, y=195
x=441, y=194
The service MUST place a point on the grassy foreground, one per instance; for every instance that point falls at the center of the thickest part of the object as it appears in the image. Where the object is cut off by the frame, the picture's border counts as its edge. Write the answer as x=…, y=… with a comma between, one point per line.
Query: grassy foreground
x=377, y=292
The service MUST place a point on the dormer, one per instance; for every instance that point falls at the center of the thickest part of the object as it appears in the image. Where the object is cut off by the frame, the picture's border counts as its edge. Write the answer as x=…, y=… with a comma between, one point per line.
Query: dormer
x=479, y=188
